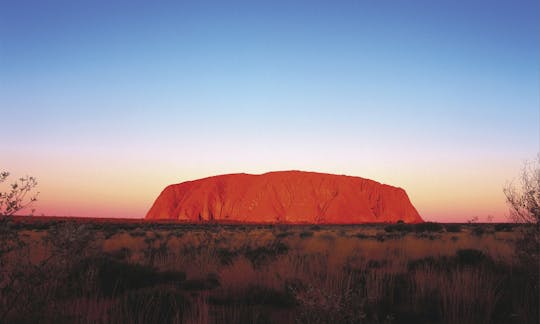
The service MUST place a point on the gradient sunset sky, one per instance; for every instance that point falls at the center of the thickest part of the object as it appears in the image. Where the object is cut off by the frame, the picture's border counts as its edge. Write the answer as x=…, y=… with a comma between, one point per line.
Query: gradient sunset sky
x=107, y=102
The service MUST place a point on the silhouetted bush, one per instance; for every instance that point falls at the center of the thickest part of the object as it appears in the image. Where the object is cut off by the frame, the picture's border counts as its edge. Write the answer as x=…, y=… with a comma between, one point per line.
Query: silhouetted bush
x=257, y=295
x=138, y=232
x=121, y=254
x=210, y=282
x=470, y=256
x=427, y=261
x=453, y=228
x=260, y=255
x=114, y=276
x=503, y=227
x=428, y=227
x=376, y=264
x=305, y=234
x=261, y=295
x=361, y=236
x=399, y=227
x=478, y=230
x=226, y=257
x=284, y=234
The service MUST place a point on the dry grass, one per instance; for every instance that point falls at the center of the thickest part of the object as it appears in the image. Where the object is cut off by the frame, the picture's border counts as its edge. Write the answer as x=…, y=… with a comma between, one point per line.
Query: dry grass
x=265, y=274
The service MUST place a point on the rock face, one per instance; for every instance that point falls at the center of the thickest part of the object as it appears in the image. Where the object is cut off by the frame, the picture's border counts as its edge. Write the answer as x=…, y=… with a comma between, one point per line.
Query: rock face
x=284, y=197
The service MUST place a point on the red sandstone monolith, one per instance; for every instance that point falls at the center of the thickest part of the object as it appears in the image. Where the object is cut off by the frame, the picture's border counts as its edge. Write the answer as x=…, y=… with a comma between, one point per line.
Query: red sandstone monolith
x=284, y=197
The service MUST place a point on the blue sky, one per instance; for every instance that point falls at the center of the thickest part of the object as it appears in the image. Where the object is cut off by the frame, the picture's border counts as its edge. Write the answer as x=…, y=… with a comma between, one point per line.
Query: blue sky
x=412, y=93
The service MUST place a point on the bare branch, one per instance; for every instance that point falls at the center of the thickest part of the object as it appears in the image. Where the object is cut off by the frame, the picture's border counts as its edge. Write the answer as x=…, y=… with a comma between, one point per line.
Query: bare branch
x=19, y=195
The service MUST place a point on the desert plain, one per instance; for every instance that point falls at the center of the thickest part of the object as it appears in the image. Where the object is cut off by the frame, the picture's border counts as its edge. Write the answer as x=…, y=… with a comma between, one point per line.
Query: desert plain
x=64, y=270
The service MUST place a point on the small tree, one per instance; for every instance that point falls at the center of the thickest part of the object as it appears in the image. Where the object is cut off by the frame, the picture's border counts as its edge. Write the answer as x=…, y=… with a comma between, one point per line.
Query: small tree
x=524, y=199
x=524, y=202
x=19, y=196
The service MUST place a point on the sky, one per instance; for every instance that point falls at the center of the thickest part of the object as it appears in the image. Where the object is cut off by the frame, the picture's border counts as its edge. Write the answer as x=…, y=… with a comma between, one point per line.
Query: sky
x=107, y=102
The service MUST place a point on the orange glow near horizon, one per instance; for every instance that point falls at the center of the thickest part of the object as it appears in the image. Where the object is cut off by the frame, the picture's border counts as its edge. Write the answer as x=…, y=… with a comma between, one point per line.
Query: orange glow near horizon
x=103, y=189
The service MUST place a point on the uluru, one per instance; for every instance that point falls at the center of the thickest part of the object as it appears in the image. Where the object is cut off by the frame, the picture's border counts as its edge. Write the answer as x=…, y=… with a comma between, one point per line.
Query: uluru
x=295, y=197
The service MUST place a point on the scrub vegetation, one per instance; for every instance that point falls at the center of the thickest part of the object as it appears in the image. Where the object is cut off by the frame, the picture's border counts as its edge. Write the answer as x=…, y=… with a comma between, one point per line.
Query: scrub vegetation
x=65, y=271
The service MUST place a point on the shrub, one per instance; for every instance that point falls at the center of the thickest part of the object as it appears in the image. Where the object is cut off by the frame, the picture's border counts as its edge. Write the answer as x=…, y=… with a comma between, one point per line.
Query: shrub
x=453, y=228
x=399, y=227
x=114, y=276
x=261, y=295
x=361, y=236
x=503, y=227
x=327, y=236
x=210, y=282
x=226, y=257
x=257, y=295
x=262, y=254
x=376, y=264
x=428, y=227
x=463, y=257
x=305, y=234
x=478, y=230
x=470, y=256
x=121, y=254
x=138, y=232
x=424, y=262
x=389, y=228
x=284, y=234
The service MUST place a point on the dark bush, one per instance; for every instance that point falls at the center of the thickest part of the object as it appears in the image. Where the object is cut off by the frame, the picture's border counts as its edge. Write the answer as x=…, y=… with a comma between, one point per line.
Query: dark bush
x=423, y=262
x=210, y=282
x=176, y=233
x=225, y=256
x=503, y=227
x=478, y=230
x=114, y=276
x=257, y=295
x=428, y=227
x=453, y=228
x=262, y=254
x=399, y=227
x=463, y=257
x=284, y=234
x=213, y=278
x=390, y=228
x=376, y=264
x=138, y=232
x=362, y=236
x=305, y=234
x=121, y=254
x=470, y=256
